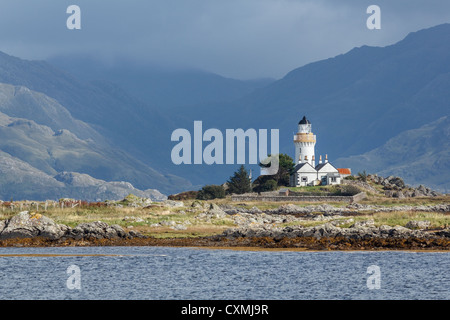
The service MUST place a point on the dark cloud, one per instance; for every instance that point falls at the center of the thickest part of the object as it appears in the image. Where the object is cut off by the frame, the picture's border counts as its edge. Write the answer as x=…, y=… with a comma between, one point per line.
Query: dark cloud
x=236, y=38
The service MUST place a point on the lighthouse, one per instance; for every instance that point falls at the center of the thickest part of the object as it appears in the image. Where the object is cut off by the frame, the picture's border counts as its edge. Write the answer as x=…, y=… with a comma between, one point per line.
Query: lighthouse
x=304, y=142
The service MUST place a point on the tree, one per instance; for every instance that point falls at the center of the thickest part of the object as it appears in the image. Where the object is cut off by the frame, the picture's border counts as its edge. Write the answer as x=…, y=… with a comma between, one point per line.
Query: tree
x=210, y=192
x=362, y=176
x=240, y=182
x=268, y=185
x=285, y=168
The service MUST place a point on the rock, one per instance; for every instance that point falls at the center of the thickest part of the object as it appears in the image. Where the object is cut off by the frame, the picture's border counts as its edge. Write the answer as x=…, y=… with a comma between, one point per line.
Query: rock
x=254, y=210
x=133, y=201
x=342, y=222
x=414, y=224
x=24, y=225
x=397, y=181
x=444, y=233
x=135, y=234
x=196, y=204
x=133, y=219
x=173, y=203
x=214, y=211
x=98, y=230
x=365, y=223
x=389, y=193
x=2, y=225
x=289, y=209
x=399, y=231
x=359, y=230
x=168, y=223
x=318, y=217
x=398, y=194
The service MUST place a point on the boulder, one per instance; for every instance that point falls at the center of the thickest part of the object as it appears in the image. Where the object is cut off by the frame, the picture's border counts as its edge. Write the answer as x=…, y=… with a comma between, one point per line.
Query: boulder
x=363, y=224
x=98, y=230
x=414, y=224
x=173, y=203
x=25, y=225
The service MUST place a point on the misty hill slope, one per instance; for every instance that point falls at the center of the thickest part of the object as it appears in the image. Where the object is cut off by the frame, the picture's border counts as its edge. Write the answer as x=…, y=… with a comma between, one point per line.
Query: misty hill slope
x=167, y=88
x=102, y=112
x=52, y=152
x=420, y=156
x=106, y=107
x=21, y=181
x=21, y=102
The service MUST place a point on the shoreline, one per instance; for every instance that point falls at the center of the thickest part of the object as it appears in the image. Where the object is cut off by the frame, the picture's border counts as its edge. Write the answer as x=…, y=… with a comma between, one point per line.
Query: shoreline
x=305, y=244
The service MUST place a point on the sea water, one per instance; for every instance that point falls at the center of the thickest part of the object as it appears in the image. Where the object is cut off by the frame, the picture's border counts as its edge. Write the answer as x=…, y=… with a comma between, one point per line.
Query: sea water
x=168, y=273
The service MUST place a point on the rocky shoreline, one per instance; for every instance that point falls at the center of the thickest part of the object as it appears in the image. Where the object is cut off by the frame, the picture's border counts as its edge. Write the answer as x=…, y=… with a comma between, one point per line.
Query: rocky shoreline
x=255, y=228
x=26, y=226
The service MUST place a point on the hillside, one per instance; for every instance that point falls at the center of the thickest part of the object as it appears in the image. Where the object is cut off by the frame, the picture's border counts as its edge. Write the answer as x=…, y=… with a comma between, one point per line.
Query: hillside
x=98, y=121
x=21, y=181
x=420, y=156
x=355, y=101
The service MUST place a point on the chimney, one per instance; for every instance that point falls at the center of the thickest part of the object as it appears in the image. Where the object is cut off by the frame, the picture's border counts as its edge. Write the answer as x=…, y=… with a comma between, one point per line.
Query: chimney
x=326, y=158
x=320, y=160
x=300, y=159
x=313, y=161
x=306, y=158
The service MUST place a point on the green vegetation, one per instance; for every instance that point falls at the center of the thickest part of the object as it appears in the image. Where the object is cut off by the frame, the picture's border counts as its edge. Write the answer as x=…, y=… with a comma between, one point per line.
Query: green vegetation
x=210, y=192
x=268, y=185
x=362, y=176
x=335, y=190
x=239, y=183
x=281, y=178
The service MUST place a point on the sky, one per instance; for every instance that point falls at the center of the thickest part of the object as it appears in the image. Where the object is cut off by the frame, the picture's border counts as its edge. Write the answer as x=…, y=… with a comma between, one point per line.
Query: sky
x=241, y=39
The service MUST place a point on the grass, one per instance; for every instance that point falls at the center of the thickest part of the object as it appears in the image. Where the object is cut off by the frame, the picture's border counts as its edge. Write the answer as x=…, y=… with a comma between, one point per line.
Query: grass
x=115, y=215
x=401, y=218
x=417, y=201
x=197, y=227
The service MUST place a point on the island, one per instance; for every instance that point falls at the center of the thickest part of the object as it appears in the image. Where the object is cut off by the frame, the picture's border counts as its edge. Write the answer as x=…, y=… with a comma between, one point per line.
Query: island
x=403, y=218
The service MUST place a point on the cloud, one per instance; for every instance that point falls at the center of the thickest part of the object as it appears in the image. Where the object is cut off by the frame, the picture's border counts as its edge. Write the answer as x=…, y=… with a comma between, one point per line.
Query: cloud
x=236, y=38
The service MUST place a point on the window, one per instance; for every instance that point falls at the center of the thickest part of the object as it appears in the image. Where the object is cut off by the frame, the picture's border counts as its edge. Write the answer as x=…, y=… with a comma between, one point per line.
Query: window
x=333, y=179
x=304, y=179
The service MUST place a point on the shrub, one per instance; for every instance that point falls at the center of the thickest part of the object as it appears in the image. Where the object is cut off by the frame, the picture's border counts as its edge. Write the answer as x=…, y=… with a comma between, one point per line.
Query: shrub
x=348, y=190
x=211, y=192
x=362, y=176
x=187, y=195
x=268, y=185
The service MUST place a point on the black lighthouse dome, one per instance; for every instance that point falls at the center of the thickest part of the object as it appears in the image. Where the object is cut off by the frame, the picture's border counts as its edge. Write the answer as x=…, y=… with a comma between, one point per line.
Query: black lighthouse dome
x=304, y=121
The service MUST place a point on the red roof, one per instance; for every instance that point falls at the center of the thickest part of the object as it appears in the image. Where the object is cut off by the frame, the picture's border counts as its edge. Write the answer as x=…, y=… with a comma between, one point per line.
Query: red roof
x=344, y=171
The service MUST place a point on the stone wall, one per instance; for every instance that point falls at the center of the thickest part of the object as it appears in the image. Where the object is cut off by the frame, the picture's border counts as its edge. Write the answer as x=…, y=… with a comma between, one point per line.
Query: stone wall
x=255, y=197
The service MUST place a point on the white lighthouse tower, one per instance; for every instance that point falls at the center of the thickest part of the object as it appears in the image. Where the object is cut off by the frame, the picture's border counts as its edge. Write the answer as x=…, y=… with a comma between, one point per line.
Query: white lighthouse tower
x=305, y=142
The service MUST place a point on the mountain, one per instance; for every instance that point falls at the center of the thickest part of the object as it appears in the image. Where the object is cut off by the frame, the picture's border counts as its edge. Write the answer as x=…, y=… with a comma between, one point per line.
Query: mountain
x=21, y=181
x=56, y=151
x=355, y=101
x=163, y=87
x=358, y=100
x=98, y=120
x=420, y=156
